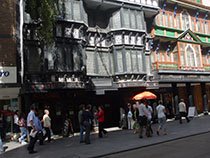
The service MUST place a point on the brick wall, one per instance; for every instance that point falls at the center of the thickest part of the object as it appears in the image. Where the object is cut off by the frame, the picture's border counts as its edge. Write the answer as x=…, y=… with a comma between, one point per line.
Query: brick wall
x=7, y=33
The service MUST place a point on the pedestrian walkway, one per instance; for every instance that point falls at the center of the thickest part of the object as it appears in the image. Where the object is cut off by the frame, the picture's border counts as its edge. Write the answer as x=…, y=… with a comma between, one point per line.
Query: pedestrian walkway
x=116, y=141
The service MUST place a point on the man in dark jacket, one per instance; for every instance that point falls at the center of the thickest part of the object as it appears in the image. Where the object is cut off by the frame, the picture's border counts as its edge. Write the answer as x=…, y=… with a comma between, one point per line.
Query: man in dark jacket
x=87, y=118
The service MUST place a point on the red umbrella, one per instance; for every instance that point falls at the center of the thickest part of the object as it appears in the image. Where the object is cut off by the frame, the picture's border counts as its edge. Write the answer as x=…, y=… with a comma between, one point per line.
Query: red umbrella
x=144, y=95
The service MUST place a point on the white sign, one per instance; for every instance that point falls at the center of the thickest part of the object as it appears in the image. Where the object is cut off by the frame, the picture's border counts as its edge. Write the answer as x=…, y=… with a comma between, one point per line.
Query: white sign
x=8, y=74
x=192, y=112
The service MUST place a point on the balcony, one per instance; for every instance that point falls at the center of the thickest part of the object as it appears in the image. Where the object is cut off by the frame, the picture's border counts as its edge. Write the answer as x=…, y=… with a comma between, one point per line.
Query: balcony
x=174, y=66
x=165, y=66
x=153, y=3
x=149, y=6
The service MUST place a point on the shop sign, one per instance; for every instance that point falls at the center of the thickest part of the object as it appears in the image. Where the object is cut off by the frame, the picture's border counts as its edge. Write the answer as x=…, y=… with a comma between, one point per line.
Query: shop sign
x=131, y=84
x=8, y=74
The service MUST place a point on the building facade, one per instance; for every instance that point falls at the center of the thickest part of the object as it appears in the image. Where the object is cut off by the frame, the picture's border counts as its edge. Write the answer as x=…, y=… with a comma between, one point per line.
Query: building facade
x=100, y=56
x=9, y=52
x=180, y=53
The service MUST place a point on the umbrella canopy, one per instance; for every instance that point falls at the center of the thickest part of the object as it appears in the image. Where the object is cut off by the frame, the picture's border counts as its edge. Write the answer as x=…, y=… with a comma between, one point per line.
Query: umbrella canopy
x=144, y=95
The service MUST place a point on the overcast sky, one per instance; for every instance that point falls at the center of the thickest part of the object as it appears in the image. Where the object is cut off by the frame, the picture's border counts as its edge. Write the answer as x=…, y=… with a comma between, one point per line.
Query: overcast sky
x=206, y=2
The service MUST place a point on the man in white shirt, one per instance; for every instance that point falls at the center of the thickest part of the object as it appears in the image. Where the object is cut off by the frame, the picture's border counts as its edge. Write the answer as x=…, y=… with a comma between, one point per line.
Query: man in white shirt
x=161, y=118
x=182, y=111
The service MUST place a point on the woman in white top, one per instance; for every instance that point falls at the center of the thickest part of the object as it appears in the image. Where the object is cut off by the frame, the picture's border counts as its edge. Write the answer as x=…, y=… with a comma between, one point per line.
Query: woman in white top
x=130, y=117
x=161, y=118
x=47, y=125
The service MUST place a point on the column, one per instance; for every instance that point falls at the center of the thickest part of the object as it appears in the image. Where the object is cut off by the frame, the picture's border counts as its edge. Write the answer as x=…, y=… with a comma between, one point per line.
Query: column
x=189, y=93
x=176, y=100
x=205, y=99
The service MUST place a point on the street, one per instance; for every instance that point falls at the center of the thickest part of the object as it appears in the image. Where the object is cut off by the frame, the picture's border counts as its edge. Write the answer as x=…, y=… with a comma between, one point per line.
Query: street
x=190, y=147
x=182, y=140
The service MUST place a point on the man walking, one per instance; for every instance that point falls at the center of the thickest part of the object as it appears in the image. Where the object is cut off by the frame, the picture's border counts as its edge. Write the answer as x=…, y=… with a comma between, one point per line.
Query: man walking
x=80, y=119
x=183, y=111
x=87, y=119
x=142, y=119
x=32, y=130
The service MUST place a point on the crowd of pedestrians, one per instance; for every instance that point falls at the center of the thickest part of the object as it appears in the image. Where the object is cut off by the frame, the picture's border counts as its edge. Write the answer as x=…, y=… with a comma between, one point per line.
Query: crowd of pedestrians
x=138, y=117
x=141, y=115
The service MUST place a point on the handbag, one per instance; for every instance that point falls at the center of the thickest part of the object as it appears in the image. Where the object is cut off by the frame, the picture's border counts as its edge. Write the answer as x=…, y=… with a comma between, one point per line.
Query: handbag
x=33, y=133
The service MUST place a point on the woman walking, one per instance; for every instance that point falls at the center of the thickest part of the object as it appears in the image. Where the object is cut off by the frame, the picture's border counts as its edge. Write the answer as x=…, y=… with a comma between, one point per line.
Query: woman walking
x=100, y=116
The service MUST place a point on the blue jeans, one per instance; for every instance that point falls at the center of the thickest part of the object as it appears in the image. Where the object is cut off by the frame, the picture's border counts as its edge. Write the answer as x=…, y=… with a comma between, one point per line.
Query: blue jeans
x=24, y=133
x=81, y=132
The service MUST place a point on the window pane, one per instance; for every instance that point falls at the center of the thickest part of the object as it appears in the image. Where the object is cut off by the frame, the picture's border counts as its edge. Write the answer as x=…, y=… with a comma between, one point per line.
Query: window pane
x=133, y=19
x=140, y=61
x=116, y=20
x=134, y=61
x=139, y=21
x=128, y=61
x=119, y=61
x=171, y=20
x=178, y=21
x=103, y=63
x=165, y=16
x=34, y=58
x=198, y=23
x=126, y=18
x=91, y=65
x=68, y=10
x=77, y=12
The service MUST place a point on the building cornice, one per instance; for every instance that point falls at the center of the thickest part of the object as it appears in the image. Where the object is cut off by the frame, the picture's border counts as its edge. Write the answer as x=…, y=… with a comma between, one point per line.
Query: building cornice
x=191, y=5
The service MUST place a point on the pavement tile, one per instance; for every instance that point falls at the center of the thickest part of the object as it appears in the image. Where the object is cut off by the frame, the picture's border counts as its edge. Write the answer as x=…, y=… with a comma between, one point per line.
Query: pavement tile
x=116, y=141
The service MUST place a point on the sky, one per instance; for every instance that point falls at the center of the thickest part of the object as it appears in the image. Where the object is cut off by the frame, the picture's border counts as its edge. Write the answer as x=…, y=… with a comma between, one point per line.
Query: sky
x=206, y=2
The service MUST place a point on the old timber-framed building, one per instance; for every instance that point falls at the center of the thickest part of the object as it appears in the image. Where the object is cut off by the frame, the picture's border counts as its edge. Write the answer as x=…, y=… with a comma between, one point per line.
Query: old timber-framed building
x=100, y=56
x=181, y=53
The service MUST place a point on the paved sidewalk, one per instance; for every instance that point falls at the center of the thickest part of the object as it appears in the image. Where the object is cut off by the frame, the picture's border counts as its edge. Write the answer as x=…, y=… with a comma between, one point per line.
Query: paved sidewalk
x=116, y=141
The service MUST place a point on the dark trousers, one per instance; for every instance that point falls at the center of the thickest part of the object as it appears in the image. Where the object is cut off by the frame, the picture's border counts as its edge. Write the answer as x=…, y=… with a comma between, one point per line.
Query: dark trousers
x=101, y=129
x=48, y=134
x=32, y=141
x=87, y=126
x=16, y=128
x=142, y=123
x=183, y=114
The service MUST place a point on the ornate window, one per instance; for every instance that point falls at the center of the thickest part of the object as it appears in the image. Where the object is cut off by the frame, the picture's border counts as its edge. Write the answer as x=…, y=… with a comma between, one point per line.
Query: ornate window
x=191, y=56
x=185, y=20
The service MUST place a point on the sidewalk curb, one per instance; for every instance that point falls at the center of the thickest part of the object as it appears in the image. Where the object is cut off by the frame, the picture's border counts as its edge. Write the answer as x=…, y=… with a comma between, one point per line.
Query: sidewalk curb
x=152, y=144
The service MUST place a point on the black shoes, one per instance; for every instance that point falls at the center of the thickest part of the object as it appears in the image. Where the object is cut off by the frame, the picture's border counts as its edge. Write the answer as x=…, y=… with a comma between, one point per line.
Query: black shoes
x=32, y=152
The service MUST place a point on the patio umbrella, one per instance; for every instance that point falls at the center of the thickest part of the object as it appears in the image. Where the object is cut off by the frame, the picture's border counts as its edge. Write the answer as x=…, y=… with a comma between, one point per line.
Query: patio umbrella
x=144, y=95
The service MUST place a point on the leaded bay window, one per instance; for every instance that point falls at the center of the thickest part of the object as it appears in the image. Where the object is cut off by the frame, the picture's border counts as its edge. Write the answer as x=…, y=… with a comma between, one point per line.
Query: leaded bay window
x=73, y=10
x=104, y=64
x=129, y=61
x=128, y=18
x=190, y=56
x=91, y=62
x=99, y=63
x=185, y=20
x=119, y=61
x=116, y=20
